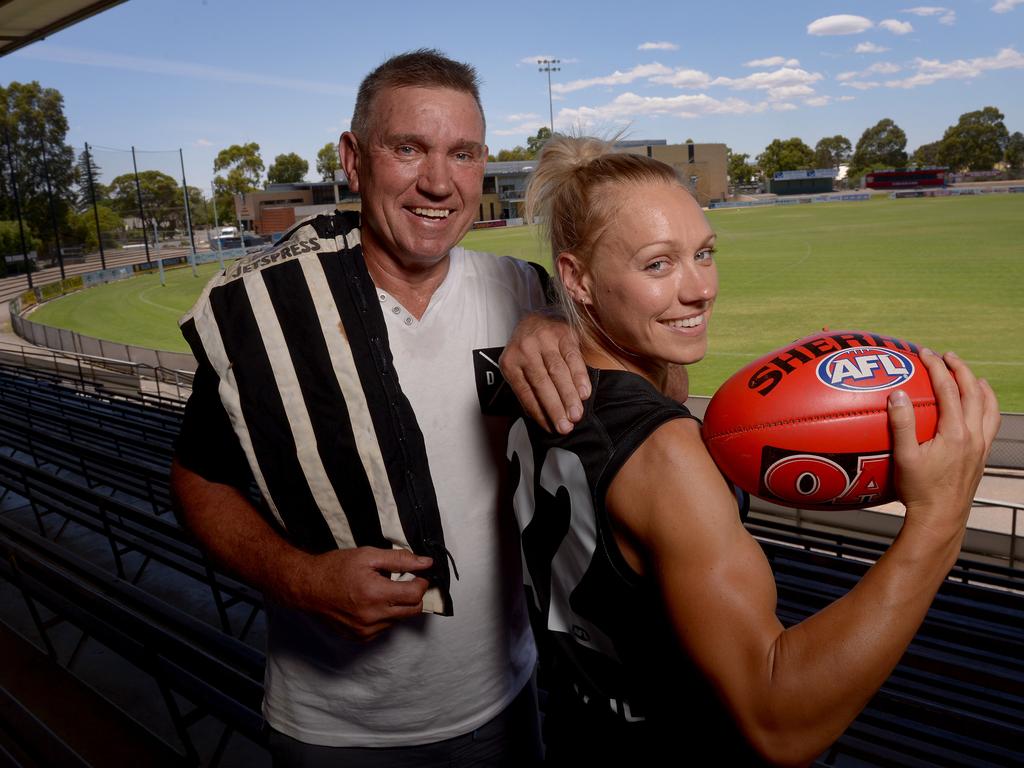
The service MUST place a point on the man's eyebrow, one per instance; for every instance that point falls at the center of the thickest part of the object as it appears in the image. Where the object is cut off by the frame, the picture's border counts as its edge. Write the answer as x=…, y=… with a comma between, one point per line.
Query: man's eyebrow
x=419, y=140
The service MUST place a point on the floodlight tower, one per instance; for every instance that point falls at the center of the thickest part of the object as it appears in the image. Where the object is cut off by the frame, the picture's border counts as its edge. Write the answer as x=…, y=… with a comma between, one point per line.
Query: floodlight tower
x=548, y=65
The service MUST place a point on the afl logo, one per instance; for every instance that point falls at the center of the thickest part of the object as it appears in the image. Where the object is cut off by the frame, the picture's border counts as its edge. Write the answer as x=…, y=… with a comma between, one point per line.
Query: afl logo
x=865, y=369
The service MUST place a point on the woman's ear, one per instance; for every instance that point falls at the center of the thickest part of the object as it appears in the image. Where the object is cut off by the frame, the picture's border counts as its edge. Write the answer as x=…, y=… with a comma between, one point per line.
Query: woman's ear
x=574, y=277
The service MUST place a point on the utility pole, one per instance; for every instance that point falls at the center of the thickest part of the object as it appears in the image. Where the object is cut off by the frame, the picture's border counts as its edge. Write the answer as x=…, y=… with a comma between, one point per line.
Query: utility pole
x=548, y=65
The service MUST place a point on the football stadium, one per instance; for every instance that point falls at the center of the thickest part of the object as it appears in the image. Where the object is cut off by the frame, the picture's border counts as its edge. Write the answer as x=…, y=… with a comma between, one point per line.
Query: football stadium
x=132, y=636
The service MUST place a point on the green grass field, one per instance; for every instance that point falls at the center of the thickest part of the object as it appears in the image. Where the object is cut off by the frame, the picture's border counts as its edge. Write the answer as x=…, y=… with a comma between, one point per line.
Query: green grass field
x=945, y=272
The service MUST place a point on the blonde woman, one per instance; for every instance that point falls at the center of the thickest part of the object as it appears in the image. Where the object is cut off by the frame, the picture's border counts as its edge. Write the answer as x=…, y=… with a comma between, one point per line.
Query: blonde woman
x=655, y=607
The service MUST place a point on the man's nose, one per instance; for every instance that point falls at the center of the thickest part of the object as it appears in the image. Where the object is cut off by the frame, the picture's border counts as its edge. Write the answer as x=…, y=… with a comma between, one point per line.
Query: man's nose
x=435, y=175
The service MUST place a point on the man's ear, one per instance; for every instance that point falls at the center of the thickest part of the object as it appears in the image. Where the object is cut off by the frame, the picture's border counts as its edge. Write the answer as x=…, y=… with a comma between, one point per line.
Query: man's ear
x=348, y=151
x=574, y=277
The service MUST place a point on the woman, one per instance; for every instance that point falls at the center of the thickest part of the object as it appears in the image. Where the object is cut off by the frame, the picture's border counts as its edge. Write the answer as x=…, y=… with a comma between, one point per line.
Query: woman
x=656, y=607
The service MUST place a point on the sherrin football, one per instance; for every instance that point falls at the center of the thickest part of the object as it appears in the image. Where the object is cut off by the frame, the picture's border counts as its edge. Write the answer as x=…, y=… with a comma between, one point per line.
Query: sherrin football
x=806, y=425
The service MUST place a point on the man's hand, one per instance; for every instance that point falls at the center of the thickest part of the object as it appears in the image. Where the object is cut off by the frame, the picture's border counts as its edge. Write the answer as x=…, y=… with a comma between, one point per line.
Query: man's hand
x=353, y=590
x=544, y=367
x=937, y=479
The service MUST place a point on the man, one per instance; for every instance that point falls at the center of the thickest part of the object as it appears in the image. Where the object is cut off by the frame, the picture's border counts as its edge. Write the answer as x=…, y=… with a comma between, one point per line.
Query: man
x=337, y=371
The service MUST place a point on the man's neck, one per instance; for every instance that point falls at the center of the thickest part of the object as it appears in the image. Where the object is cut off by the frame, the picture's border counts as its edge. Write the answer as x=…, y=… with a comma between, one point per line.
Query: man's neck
x=412, y=288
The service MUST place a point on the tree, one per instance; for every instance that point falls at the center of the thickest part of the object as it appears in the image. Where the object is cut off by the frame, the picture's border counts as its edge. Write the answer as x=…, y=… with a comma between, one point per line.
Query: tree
x=740, y=171
x=244, y=168
x=516, y=153
x=34, y=121
x=83, y=227
x=287, y=169
x=832, y=151
x=789, y=155
x=536, y=142
x=883, y=145
x=162, y=202
x=977, y=142
x=927, y=155
x=1014, y=154
x=327, y=161
x=83, y=199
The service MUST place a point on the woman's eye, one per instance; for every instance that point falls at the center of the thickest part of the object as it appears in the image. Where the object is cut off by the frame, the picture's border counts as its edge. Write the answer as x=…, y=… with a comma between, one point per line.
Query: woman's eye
x=657, y=266
x=707, y=254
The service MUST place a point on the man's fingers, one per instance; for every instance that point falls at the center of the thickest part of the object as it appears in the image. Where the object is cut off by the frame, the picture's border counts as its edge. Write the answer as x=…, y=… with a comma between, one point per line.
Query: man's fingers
x=548, y=398
x=397, y=561
x=406, y=594
x=573, y=358
x=570, y=406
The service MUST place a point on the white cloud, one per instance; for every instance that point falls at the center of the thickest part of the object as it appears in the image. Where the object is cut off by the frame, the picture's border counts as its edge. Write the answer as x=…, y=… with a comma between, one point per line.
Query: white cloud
x=525, y=128
x=1005, y=6
x=846, y=98
x=522, y=117
x=817, y=101
x=843, y=24
x=884, y=68
x=869, y=48
x=879, y=68
x=863, y=85
x=777, y=79
x=663, y=46
x=946, y=16
x=773, y=61
x=897, y=27
x=85, y=57
x=204, y=143
x=684, y=78
x=629, y=106
x=616, y=78
x=789, y=92
x=784, y=107
x=932, y=70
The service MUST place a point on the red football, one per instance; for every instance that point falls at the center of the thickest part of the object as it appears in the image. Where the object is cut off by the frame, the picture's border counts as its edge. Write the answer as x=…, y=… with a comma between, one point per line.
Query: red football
x=806, y=426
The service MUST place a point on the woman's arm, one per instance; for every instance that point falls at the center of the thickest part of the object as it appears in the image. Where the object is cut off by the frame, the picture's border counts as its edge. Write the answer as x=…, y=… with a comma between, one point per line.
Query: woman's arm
x=794, y=691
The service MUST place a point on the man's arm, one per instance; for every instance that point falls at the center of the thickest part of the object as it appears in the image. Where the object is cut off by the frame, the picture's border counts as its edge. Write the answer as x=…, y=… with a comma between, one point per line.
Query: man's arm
x=544, y=367
x=794, y=691
x=349, y=588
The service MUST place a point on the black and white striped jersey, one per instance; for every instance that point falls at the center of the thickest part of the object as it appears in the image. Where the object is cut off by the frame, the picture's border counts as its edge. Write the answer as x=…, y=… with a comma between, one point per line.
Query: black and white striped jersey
x=294, y=341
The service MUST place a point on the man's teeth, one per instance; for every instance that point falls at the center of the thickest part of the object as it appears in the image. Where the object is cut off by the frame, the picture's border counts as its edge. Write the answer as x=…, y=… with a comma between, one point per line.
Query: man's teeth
x=432, y=213
x=690, y=322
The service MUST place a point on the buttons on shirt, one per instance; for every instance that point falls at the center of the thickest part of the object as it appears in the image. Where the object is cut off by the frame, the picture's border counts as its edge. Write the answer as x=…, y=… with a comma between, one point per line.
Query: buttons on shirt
x=396, y=309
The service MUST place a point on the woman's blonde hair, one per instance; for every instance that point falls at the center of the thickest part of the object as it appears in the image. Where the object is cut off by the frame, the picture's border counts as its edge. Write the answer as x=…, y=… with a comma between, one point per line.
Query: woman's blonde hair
x=571, y=193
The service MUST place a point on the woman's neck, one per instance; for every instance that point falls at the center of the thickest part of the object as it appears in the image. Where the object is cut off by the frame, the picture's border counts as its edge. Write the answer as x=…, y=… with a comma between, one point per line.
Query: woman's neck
x=598, y=353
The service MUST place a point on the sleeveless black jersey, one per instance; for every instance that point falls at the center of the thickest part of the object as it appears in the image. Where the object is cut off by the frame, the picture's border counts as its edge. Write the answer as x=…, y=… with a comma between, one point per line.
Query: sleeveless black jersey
x=608, y=651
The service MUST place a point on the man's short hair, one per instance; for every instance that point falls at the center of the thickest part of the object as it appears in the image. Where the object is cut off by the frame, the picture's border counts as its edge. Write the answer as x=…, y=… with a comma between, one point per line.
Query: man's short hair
x=422, y=68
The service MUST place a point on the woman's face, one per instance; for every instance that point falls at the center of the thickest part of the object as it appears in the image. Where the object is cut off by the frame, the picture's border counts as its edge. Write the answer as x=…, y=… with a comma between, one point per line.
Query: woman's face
x=652, y=281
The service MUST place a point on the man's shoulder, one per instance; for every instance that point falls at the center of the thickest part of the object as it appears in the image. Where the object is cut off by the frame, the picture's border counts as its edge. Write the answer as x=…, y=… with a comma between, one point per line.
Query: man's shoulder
x=335, y=231
x=507, y=270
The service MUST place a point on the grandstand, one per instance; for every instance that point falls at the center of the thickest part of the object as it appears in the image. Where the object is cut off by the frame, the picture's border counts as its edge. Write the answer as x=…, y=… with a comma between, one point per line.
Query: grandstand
x=106, y=599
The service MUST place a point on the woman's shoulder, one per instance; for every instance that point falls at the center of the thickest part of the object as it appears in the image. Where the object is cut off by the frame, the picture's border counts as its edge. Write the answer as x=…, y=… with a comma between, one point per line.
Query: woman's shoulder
x=624, y=402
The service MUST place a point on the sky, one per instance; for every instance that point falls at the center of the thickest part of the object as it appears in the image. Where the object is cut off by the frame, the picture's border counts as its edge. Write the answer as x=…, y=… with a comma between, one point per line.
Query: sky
x=201, y=75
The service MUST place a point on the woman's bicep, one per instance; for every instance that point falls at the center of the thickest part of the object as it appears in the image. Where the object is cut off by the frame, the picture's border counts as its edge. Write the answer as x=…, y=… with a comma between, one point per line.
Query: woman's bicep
x=718, y=587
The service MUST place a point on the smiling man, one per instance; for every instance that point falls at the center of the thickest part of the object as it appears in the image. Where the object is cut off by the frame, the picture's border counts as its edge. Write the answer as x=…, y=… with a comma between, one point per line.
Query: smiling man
x=340, y=379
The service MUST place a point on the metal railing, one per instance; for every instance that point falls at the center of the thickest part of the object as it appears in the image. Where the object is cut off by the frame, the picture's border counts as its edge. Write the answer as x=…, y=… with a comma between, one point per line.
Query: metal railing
x=90, y=373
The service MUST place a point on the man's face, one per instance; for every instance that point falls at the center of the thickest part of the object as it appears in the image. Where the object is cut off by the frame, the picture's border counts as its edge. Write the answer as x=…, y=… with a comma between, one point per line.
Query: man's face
x=419, y=173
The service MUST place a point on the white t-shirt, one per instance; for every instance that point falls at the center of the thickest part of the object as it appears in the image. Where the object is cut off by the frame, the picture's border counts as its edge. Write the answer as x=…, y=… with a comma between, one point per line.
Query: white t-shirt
x=431, y=677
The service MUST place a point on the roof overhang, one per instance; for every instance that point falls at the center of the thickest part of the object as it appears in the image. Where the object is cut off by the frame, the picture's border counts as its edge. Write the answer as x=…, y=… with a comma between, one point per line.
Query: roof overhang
x=24, y=21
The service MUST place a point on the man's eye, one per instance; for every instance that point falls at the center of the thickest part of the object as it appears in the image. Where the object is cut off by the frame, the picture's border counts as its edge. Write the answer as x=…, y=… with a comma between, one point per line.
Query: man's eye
x=405, y=149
